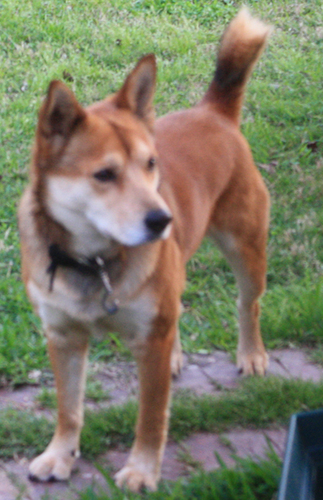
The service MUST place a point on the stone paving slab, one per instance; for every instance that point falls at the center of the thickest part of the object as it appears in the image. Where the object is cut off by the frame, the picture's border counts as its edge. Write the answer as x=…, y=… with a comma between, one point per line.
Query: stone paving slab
x=242, y=443
x=197, y=451
x=294, y=363
x=221, y=371
x=7, y=489
x=84, y=475
x=201, y=373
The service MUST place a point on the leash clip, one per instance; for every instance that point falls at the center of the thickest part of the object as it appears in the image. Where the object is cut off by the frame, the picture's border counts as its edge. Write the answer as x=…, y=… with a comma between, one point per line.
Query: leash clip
x=111, y=306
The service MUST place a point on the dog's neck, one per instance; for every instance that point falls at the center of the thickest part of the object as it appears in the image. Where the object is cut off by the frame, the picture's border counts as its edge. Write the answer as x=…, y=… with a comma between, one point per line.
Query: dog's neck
x=94, y=267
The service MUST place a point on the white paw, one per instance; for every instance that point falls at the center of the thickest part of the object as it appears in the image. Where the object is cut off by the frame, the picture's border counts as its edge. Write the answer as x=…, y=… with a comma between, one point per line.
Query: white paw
x=252, y=363
x=135, y=479
x=52, y=466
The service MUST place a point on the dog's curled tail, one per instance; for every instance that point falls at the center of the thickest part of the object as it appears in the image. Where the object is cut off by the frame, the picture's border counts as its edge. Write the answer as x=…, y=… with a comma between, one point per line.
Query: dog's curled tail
x=241, y=46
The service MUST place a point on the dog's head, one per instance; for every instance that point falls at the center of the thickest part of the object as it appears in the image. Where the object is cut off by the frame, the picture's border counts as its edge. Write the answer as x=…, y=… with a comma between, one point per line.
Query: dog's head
x=98, y=167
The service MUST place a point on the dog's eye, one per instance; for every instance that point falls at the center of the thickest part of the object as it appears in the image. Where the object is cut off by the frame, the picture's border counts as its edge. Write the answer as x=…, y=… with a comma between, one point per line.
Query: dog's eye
x=106, y=175
x=151, y=164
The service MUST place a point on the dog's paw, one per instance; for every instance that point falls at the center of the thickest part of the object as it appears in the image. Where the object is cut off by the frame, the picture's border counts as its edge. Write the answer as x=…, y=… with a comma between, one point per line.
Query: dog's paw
x=52, y=466
x=136, y=479
x=252, y=363
x=176, y=363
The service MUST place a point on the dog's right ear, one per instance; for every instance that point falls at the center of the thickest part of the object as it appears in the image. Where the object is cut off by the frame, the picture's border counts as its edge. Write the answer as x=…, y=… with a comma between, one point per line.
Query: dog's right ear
x=60, y=113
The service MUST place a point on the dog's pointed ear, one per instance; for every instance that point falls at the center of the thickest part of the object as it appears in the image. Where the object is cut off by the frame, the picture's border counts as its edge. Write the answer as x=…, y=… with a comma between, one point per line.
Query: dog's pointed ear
x=138, y=90
x=60, y=112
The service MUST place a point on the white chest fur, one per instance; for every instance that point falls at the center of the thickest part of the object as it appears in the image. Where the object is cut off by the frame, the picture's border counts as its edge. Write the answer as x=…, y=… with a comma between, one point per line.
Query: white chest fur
x=61, y=311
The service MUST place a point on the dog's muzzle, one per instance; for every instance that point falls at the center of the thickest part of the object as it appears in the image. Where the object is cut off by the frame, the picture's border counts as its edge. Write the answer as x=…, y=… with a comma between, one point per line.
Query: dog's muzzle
x=156, y=222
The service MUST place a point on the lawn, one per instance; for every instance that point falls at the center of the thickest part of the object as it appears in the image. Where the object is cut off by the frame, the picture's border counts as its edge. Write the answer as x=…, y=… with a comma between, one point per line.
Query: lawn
x=92, y=45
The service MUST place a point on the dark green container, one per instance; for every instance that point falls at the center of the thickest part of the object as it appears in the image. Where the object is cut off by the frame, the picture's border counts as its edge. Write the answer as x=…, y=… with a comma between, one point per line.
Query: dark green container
x=302, y=476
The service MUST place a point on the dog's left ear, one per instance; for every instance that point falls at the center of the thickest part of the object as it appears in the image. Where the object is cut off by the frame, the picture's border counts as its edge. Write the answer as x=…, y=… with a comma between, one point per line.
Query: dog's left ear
x=138, y=90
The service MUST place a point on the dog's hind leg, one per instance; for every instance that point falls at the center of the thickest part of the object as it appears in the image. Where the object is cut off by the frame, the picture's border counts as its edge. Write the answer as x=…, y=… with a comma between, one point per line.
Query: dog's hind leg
x=177, y=356
x=68, y=355
x=248, y=263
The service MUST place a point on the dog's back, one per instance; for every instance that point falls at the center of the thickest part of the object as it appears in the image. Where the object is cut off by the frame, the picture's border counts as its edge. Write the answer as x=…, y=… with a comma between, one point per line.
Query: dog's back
x=202, y=148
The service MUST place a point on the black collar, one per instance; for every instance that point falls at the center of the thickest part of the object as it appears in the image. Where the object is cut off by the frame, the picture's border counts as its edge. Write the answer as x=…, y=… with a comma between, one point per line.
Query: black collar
x=94, y=266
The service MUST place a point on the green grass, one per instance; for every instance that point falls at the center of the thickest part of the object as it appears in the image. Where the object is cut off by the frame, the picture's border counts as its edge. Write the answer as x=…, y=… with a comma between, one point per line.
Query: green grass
x=248, y=481
x=94, y=391
x=317, y=355
x=92, y=45
x=258, y=403
x=47, y=398
x=22, y=432
x=95, y=43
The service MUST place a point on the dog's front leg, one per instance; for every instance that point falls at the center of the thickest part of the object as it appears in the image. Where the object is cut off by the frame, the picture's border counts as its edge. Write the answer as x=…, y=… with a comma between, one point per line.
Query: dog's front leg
x=68, y=355
x=142, y=469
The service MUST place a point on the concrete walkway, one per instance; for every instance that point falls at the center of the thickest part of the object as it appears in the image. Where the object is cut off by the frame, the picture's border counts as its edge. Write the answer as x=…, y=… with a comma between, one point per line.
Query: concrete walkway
x=202, y=374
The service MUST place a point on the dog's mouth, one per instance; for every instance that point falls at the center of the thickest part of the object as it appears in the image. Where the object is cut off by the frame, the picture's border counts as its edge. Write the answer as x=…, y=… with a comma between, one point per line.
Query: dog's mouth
x=155, y=226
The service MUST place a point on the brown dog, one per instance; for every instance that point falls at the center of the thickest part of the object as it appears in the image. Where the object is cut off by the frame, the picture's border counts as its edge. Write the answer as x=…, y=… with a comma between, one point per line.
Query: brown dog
x=112, y=214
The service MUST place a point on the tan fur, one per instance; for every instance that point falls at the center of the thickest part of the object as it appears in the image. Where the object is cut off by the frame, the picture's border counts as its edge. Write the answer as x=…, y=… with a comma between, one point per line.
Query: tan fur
x=93, y=186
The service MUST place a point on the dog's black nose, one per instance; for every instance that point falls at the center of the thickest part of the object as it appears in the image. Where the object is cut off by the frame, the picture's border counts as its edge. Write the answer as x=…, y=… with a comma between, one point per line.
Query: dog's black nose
x=156, y=221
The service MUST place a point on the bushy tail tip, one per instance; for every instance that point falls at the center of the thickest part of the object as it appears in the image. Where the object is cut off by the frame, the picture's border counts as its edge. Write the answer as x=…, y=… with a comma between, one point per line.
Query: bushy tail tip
x=241, y=46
